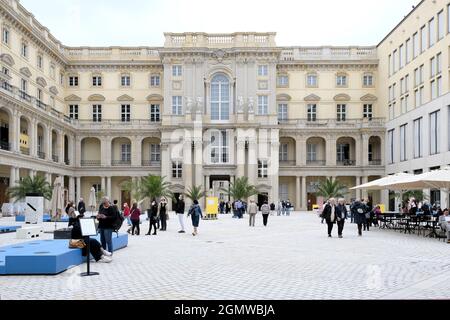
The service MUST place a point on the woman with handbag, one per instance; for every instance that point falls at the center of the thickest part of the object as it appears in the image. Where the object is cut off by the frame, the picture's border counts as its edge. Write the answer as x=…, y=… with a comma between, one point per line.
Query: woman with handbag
x=196, y=213
x=330, y=214
x=163, y=213
x=152, y=217
x=135, y=217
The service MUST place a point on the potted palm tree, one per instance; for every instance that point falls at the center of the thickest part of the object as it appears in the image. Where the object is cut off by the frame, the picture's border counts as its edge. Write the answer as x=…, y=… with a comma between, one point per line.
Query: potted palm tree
x=30, y=185
x=331, y=189
x=195, y=193
x=241, y=189
x=154, y=187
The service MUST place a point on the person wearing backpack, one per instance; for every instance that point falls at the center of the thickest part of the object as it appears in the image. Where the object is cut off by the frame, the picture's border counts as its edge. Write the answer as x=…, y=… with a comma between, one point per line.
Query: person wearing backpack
x=265, y=210
x=106, y=217
x=135, y=217
x=196, y=213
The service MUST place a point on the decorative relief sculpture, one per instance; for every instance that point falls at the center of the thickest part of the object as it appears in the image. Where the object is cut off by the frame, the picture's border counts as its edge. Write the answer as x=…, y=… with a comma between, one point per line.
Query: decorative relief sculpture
x=189, y=104
x=199, y=105
x=251, y=105
x=240, y=104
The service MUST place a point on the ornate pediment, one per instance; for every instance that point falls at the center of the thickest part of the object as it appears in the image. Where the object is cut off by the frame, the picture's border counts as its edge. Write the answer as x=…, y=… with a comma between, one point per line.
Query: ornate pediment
x=284, y=97
x=26, y=72
x=72, y=97
x=96, y=97
x=155, y=98
x=312, y=97
x=125, y=97
x=342, y=97
x=6, y=58
x=41, y=81
x=369, y=97
x=54, y=90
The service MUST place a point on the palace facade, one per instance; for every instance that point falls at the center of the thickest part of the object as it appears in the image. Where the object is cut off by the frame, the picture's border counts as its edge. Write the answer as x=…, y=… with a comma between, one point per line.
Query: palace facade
x=207, y=108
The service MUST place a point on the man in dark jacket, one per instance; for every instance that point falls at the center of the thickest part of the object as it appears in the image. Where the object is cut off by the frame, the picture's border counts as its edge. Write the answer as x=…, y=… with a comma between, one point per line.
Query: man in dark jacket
x=359, y=211
x=180, y=213
x=342, y=216
x=330, y=213
x=106, y=218
x=81, y=206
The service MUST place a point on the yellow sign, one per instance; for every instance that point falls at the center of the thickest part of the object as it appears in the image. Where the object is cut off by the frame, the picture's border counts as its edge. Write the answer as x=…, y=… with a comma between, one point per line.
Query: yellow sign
x=382, y=208
x=212, y=205
x=315, y=206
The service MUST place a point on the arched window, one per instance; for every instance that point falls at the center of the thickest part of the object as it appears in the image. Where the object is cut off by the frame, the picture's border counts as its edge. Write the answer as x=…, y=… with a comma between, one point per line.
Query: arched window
x=220, y=97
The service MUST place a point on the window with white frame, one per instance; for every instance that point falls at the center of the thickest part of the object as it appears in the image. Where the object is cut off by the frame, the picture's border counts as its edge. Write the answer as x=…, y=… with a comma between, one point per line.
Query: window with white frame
x=433, y=89
x=423, y=36
x=390, y=66
x=39, y=95
x=73, y=81
x=401, y=57
x=282, y=112
x=220, y=149
x=177, y=169
x=403, y=142
x=432, y=67
x=61, y=79
x=391, y=146
x=263, y=169
x=343, y=152
x=448, y=18
x=6, y=35
x=432, y=32
x=155, y=153
x=439, y=86
x=283, y=154
x=416, y=46
x=125, y=80
x=341, y=80
x=311, y=152
x=368, y=80
x=311, y=80
x=5, y=70
x=283, y=80
x=441, y=25
x=395, y=61
x=263, y=70
x=24, y=85
x=402, y=86
x=155, y=115
x=311, y=112
x=408, y=51
x=263, y=105
x=126, y=113
x=177, y=105
x=40, y=61
x=434, y=133
x=391, y=108
x=406, y=83
x=220, y=98
x=97, y=113
x=24, y=50
x=341, y=112
x=96, y=81
x=40, y=143
x=52, y=71
x=155, y=80
x=125, y=154
x=177, y=71
x=439, y=63
x=73, y=111
x=368, y=111
x=402, y=106
x=417, y=138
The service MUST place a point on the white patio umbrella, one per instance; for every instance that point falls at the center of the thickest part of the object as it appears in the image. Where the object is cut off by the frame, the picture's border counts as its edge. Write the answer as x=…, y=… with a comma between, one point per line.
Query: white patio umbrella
x=384, y=183
x=57, y=203
x=438, y=179
x=92, y=200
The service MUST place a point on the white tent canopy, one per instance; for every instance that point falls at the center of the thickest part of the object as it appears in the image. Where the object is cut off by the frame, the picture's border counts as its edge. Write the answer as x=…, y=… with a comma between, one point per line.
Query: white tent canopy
x=438, y=179
x=384, y=183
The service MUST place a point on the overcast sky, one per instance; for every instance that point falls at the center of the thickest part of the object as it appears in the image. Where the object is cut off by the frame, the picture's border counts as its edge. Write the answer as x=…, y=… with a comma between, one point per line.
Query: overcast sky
x=143, y=22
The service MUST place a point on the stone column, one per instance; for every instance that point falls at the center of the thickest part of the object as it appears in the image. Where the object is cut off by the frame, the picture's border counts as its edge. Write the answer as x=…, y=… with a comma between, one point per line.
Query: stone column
x=364, y=193
x=383, y=150
x=365, y=150
x=60, y=146
x=304, y=195
x=187, y=165
x=12, y=177
x=166, y=163
x=301, y=151
x=358, y=151
x=358, y=191
x=136, y=151
x=103, y=186
x=297, y=194
x=108, y=188
x=78, y=188
x=72, y=189
x=15, y=144
x=331, y=151
x=49, y=138
x=32, y=173
x=198, y=160
x=78, y=154
x=33, y=138
x=444, y=199
x=274, y=167
x=71, y=146
x=385, y=198
x=240, y=158
x=252, y=160
x=106, y=151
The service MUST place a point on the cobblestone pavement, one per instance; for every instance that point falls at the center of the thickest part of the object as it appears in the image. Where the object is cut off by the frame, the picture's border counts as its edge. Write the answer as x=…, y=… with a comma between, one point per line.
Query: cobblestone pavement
x=290, y=259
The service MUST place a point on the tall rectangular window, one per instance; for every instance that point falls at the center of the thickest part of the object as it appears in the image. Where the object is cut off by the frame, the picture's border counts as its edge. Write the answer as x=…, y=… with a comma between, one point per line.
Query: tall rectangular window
x=368, y=80
x=433, y=89
x=263, y=169
x=263, y=105
x=434, y=133
x=125, y=80
x=282, y=112
x=432, y=32
x=24, y=50
x=423, y=37
x=284, y=152
x=311, y=152
x=155, y=113
x=219, y=147
x=390, y=66
x=401, y=57
x=40, y=61
x=395, y=61
x=441, y=25
x=126, y=113
x=73, y=111
x=96, y=81
x=439, y=86
x=391, y=111
x=432, y=67
x=177, y=169
x=155, y=153
x=416, y=46
x=311, y=80
x=391, y=146
x=125, y=154
x=417, y=138
x=438, y=63
x=283, y=80
x=341, y=81
x=448, y=18
x=73, y=81
x=23, y=85
x=341, y=112
x=177, y=71
x=407, y=83
x=263, y=70
x=367, y=111
x=312, y=112
x=408, y=51
x=177, y=105
x=5, y=36
x=97, y=113
x=155, y=81
x=403, y=142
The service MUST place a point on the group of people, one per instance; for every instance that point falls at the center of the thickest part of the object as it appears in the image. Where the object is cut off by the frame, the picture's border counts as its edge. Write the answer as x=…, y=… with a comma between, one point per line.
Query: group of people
x=285, y=208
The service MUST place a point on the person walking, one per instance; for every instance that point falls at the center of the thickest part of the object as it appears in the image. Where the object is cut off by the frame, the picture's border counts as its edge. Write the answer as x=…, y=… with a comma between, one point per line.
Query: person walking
x=152, y=217
x=81, y=206
x=330, y=214
x=126, y=213
x=272, y=208
x=342, y=216
x=444, y=223
x=368, y=214
x=265, y=210
x=289, y=207
x=180, y=213
x=359, y=213
x=163, y=213
x=252, y=211
x=135, y=216
x=280, y=208
x=228, y=207
x=196, y=213
x=106, y=218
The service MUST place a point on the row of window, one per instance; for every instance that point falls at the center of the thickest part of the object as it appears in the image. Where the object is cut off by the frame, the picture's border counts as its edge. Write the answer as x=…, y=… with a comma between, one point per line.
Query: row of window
x=429, y=34
x=125, y=81
x=311, y=111
x=312, y=80
x=417, y=143
x=97, y=112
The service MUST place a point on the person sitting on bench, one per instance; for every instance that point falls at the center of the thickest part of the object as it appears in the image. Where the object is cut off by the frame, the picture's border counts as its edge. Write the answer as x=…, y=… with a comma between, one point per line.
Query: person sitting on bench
x=444, y=222
x=99, y=254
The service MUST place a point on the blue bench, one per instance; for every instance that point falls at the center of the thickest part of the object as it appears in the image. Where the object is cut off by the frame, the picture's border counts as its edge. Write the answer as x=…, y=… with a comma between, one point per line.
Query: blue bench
x=46, y=218
x=8, y=229
x=45, y=257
